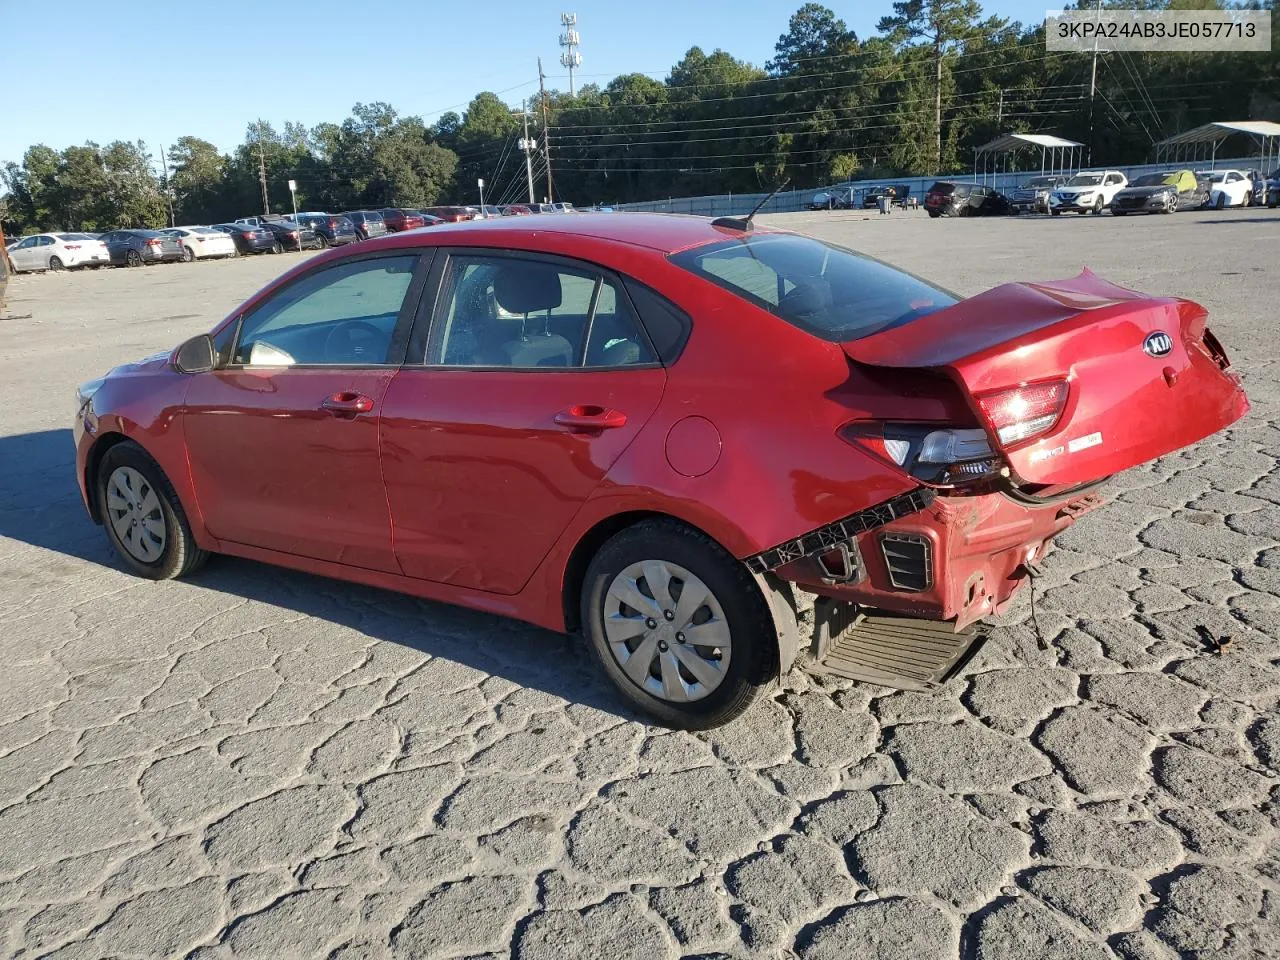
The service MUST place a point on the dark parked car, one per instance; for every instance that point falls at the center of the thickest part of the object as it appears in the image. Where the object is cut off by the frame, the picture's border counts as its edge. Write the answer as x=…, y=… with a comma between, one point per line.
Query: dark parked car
x=248, y=238
x=331, y=229
x=450, y=214
x=1165, y=192
x=133, y=248
x=399, y=219
x=368, y=223
x=4, y=277
x=290, y=235
x=947, y=198
x=1272, y=192
x=1033, y=196
x=871, y=196
x=516, y=210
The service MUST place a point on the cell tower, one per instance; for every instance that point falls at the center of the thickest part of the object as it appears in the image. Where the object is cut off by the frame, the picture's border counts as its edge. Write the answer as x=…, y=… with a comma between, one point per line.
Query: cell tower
x=571, y=58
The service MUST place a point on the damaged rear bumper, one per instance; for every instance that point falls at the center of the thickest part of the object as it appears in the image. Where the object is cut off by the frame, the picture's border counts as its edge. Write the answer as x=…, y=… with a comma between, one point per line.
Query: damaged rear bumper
x=952, y=558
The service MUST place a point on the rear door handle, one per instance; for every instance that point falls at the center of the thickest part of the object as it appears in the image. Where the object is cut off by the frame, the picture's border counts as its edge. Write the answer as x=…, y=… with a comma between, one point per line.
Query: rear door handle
x=589, y=416
x=347, y=402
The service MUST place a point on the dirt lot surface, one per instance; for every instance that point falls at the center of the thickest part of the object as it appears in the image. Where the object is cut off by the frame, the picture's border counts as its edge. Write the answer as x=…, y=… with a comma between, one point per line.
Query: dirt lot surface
x=258, y=763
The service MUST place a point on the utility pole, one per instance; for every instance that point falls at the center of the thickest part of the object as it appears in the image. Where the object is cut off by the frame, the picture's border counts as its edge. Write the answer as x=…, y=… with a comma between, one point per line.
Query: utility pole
x=546, y=130
x=168, y=187
x=937, y=98
x=1093, y=83
x=571, y=58
x=262, y=177
x=528, y=146
x=1000, y=109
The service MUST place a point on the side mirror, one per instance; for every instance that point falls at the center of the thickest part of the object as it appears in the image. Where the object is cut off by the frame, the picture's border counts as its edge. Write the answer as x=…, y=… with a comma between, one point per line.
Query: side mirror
x=196, y=355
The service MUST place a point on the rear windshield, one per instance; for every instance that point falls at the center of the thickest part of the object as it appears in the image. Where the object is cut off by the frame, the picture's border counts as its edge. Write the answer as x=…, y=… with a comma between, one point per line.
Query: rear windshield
x=942, y=187
x=828, y=291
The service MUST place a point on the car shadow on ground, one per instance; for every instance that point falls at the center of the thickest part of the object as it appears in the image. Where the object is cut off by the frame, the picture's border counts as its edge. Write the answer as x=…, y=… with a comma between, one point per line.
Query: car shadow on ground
x=40, y=506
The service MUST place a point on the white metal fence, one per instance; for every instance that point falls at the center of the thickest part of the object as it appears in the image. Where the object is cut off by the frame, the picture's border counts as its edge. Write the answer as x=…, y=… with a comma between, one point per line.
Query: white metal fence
x=789, y=201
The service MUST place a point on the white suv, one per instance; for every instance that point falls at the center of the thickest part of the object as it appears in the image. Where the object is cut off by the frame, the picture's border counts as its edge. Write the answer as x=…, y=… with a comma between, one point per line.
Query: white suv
x=1089, y=191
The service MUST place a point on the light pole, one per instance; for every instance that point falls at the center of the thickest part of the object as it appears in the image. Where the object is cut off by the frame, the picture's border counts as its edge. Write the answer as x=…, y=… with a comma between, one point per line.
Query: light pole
x=480, y=184
x=293, y=192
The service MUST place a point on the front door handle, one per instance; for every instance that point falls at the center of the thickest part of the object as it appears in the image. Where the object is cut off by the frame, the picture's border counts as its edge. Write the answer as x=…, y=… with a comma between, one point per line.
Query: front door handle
x=347, y=402
x=589, y=416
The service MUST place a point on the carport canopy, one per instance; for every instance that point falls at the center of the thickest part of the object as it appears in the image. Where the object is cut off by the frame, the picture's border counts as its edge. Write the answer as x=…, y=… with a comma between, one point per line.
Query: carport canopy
x=1202, y=143
x=1057, y=155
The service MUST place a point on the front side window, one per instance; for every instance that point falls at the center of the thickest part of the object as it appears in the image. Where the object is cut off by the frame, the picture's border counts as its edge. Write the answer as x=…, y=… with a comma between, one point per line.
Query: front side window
x=509, y=312
x=828, y=291
x=343, y=315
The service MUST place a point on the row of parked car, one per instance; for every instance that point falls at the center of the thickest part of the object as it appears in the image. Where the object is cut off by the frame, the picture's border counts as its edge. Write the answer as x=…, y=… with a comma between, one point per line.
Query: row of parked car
x=1089, y=191
x=270, y=233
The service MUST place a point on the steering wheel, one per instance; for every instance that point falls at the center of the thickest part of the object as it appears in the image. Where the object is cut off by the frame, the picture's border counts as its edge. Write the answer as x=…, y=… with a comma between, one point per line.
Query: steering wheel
x=355, y=341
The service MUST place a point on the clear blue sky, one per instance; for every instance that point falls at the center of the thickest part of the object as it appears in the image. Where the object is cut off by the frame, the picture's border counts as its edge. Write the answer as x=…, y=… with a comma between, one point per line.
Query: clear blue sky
x=159, y=70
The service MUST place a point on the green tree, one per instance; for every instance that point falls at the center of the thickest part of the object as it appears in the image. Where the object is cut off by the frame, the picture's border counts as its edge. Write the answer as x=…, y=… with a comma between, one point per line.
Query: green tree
x=133, y=197
x=197, y=178
x=942, y=25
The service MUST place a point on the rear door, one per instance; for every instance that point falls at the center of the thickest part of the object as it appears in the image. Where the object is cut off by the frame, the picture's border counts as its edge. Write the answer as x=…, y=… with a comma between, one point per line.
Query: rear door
x=1141, y=375
x=534, y=379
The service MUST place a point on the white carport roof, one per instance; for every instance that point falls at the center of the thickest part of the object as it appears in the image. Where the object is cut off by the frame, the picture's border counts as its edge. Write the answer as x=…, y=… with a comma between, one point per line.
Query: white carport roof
x=1210, y=132
x=1016, y=141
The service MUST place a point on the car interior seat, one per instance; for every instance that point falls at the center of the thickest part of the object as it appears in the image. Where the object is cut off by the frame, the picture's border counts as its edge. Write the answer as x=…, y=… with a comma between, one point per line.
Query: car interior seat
x=524, y=289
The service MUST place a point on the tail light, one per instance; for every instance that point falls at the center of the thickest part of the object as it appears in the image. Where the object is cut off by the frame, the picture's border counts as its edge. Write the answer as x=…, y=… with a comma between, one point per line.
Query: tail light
x=333, y=224
x=941, y=456
x=294, y=234
x=155, y=243
x=1022, y=413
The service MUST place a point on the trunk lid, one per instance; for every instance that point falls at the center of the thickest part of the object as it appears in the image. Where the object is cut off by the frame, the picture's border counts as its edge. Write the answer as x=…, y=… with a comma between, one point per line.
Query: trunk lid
x=1132, y=395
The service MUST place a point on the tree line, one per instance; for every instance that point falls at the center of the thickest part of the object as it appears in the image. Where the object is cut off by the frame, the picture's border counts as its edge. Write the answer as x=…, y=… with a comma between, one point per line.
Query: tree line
x=937, y=78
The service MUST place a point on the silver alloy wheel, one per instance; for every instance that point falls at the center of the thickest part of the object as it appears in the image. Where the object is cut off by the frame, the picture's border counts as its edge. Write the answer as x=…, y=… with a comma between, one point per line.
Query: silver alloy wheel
x=667, y=631
x=133, y=510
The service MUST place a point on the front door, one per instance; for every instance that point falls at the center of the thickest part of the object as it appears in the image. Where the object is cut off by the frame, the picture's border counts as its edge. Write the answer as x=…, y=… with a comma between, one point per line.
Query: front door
x=283, y=439
x=23, y=254
x=537, y=377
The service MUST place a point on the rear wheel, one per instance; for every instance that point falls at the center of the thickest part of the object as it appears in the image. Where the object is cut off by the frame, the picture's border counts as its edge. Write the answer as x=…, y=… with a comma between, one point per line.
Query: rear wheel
x=678, y=625
x=188, y=254
x=144, y=520
x=277, y=247
x=133, y=259
x=934, y=214
x=322, y=241
x=1056, y=213
x=55, y=264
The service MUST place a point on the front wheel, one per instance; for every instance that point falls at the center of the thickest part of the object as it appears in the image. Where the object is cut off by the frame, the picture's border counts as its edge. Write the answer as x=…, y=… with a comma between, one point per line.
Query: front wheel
x=1056, y=213
x=1173, y=205
x=1097, y=207
x=1222, y=201
x=144, y=520
x=678, y=625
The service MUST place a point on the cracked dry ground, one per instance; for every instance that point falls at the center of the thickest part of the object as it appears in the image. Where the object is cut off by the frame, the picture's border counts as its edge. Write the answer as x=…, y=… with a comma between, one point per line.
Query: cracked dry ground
x=263, y=764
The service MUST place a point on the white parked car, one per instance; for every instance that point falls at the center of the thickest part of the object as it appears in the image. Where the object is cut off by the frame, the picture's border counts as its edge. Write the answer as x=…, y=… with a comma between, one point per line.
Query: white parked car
x=1228, y=188
x=1089, y=191
x=201, y=242
x=58, y=251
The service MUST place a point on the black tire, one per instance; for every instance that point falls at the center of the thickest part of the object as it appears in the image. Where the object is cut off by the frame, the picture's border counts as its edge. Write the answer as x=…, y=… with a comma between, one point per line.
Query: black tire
x=934, y=214
x=322, y=242
x=180, y=556
x=55, y=264
x=754, y=661
x=1117, y=213
x=1056, y=213
x=1097, y=207
x=1222, y=202
x=277, y=247
x=132, y=258
x=188, y=255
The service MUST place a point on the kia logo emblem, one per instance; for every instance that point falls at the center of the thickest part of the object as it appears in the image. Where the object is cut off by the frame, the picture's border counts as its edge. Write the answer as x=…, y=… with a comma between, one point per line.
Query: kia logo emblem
x=1158, y=344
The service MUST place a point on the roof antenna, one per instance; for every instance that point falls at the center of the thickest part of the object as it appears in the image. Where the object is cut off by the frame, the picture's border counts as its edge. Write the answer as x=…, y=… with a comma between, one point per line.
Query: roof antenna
x=744, y=223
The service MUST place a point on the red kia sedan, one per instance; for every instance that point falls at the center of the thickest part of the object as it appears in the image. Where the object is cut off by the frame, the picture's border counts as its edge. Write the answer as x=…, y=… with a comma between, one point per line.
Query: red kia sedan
x=713, y=449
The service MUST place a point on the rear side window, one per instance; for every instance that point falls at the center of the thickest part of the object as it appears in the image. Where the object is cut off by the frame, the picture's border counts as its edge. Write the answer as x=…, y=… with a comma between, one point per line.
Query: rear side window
x=667, y=325
x=830, y=292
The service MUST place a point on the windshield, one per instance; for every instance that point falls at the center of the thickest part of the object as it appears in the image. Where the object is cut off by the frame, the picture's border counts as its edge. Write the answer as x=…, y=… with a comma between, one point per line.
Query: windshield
x=1041, y=182
x=1085, y=180
x=830, y=292
x=1154, y=180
